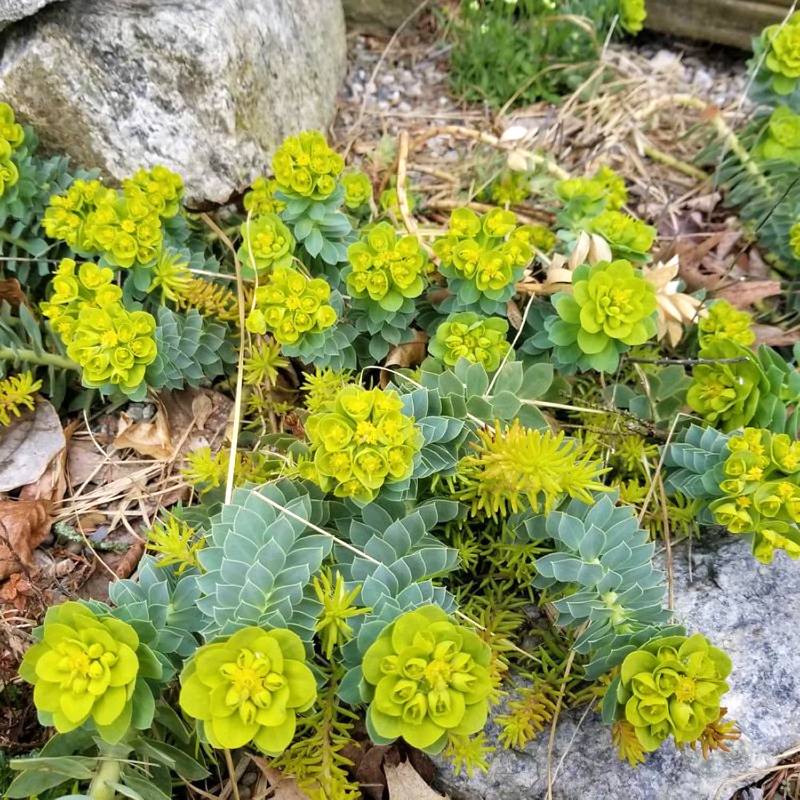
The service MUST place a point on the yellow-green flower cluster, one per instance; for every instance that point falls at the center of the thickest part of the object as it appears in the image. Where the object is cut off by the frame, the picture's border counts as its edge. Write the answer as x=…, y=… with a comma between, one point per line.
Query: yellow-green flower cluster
x=260, y=199
x=290, y=305
x=360, y=440
x=266, y=243
x=305, y=165
x=385, y=267
x=605, y=185
x=672, y=687
x=510, y=188
x=780, y=139
x=632, y=14
x=249, y=687
x=65, y=216
x=12, y=136
x=723, y=321
x=124, y=227
x=357, y=189
x=158, y=187
x=84, y=668
x=627, y=236
x=537, y=236
x=783, y=53
x=762, y=492
x=427, y=679
x=481, y=340
x=486, y=251
x=113, y=345
x=75, y=290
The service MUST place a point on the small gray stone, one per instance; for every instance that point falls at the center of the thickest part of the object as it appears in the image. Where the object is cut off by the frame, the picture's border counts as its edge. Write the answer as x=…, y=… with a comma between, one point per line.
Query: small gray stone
x=209, y=88
x=748, y=609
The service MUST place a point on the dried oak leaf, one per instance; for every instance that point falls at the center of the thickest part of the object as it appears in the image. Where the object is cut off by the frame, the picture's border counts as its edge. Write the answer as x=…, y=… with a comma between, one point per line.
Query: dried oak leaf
x=744, y=294
x=28, y=445
x=24, y=524
x=774, y=336
x=11, y=292
x=410, y=354
x=149, y=438
x=404, y=782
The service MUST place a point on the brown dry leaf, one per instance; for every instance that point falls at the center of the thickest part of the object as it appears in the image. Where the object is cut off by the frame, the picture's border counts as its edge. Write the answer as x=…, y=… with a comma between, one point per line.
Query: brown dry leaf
x=16, y=591
x=281, y=787
x=149, y=438
x=744, y=294
x=410, y=354
x=196, y=418
x=775, y=336
x=405, y=783
x=85, y=462
x=11, y=292
x=28, y=445
x=24, y=524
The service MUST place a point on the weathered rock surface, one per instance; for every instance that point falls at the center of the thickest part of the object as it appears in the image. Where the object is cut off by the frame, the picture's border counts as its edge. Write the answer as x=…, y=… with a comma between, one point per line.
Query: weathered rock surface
x=378, y=16
x=207, y=87
x=12, y=10
x=749, y=609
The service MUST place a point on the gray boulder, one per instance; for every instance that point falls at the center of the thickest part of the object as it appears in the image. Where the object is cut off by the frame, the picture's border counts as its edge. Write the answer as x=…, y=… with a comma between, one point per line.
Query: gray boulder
x=378, y=16
x=750, y=610
x=12, y=10
x=207, y=87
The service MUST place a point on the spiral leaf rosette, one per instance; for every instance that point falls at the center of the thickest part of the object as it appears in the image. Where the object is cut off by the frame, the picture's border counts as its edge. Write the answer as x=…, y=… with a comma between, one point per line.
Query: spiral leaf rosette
x=85, y=668
x=427, y=678
x=249, y=687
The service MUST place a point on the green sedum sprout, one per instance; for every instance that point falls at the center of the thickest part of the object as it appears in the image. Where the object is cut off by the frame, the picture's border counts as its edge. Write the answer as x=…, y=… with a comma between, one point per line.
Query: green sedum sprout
x=427, y=679
x=671, y=686
x=305, y=165
x=360, y=440
x=516, y=468
x=85, y=668
x=611, y=308
x=290, y=305
x=357, y=189
x=762, y=492
x=249, y=687
x=385, y=268
x=794, y=240
x=266, y=244
x=479, y=339
x=723, y=321
x=782, y=42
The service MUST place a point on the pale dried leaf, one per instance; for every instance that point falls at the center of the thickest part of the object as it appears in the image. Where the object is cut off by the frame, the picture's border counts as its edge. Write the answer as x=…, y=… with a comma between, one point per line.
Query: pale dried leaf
x=24, y=524
x=149, y=438
x=53, y=484
x=746, y=293
x=514, y=133
x=774, y=336
x=28, y=445
x=85, y=462
x=404, y=783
